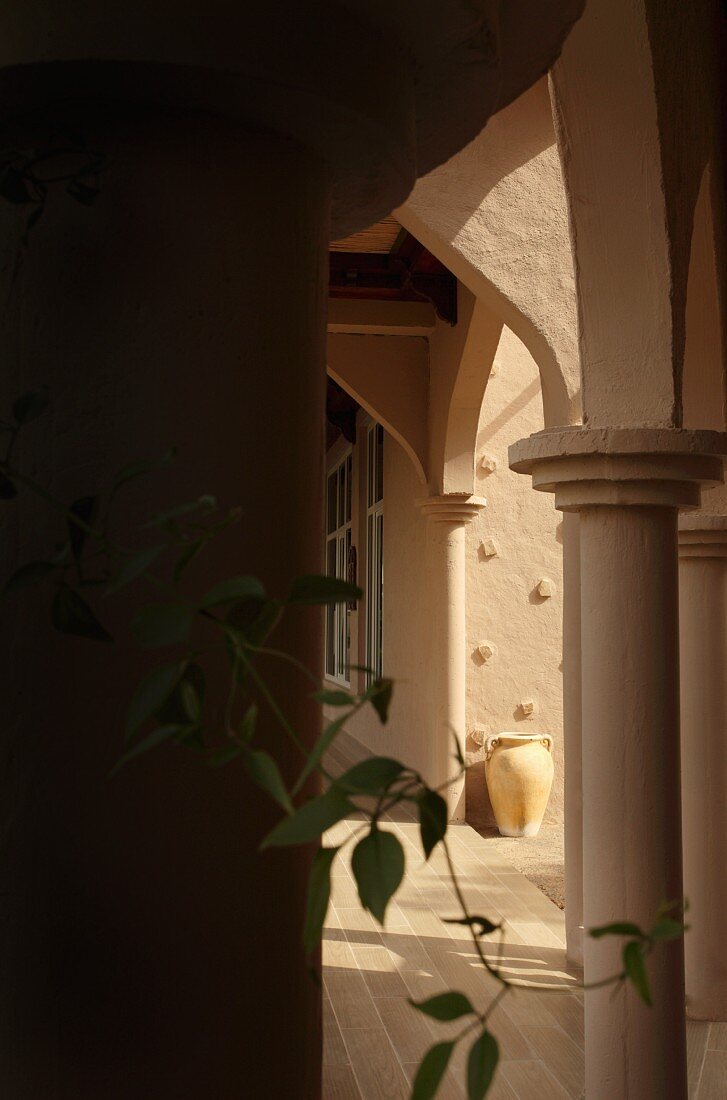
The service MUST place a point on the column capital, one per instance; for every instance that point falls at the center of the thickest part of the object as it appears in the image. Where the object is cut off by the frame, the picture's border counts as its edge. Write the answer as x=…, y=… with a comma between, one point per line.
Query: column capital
x=584, y=466
x=702, y=536
x=454, y=508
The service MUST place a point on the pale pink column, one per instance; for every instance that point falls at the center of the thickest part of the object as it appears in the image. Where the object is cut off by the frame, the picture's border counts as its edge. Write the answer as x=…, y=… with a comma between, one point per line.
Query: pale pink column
x=447, y=671
x=572, y=723
x=627, y=486
x=703, y=637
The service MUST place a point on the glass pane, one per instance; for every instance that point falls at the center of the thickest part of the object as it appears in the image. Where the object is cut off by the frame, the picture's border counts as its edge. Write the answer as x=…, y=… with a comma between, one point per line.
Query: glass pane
x=340, y=616
x=331, y=504
x=380, y=594
x=349, y=472
x=370, y=467
x=331, y=612
x=379, y=462
x=341, y=493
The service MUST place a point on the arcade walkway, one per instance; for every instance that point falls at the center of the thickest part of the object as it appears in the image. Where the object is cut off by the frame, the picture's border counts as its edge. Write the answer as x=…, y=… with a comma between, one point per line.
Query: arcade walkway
x=373, y=1040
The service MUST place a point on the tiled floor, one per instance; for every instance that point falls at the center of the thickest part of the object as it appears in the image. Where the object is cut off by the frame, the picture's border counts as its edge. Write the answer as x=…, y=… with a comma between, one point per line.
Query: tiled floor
x=373, y=1040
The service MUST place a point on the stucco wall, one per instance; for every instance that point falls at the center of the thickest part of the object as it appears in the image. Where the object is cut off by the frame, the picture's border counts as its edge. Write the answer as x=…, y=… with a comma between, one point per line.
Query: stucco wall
x=503, y=606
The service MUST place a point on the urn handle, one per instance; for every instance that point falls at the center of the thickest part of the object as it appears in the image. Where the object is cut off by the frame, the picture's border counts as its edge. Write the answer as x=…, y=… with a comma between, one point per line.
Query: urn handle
x=548, y=742
x=491, y=743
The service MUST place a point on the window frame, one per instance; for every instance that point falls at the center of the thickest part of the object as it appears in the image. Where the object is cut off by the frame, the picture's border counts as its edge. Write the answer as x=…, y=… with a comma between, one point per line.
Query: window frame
x=339, y=539
x=374, y=498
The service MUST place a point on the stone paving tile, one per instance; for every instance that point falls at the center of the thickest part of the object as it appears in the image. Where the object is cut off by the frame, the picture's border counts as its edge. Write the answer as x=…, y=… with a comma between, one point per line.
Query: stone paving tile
x=376, y=1038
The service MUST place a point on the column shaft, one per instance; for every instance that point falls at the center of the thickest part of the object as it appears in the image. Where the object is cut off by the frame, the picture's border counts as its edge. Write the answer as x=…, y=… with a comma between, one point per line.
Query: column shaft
x=451, y=717
x=703, y=638
x=572, y=723
x=627, y=484
x=631, y=819
x=144, y=949
x=449, y=514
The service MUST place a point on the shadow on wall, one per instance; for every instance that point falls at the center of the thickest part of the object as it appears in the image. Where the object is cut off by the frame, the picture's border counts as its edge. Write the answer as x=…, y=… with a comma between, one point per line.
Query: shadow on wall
x=480, y=814
x=508, y=413
x=511, y=139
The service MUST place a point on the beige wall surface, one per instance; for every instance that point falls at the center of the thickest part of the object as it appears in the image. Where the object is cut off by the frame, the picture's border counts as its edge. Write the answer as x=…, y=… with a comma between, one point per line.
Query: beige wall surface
x=504, y=608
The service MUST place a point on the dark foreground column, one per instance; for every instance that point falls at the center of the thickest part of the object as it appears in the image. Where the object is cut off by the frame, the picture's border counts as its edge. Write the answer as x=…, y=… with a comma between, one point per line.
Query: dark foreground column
x=147, y=949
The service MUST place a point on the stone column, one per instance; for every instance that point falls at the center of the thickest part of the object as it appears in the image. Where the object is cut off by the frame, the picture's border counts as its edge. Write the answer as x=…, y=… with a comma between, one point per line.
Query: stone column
x=572, y=723
x=146, y=948
x=627, y=486
x=703, y=638
x=137, y=913
x=447, y=664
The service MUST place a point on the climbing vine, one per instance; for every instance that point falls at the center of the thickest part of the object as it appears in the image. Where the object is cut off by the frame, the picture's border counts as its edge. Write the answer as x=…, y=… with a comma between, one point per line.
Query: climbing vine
x=235, y=622
x=170, y=706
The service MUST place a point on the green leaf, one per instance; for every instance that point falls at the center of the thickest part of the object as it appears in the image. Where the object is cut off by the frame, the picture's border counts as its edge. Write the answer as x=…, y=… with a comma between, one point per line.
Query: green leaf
x=225, y=756
x=134, y=566
x=151, y=694
x=378, y=868
x=319, y=895
x=316, y=589
x=186, y=558
x=633, y=959
x=8, y=491
x=163, y=624
x=82, y=193
x=27, y=575
x=458, y=750
x=334, y=698
x=202, y=504
x=431, y=1071
x=432, y=820
x=155, y=738
x=247, y=727
x=264, y=771
x=370, y=776
x=142, y=466
x=70, y=614
x=30, y=406
x=190, y=700
x=620, y=928
x=185, y=699
x=680, y=907
x=380, y=694
x=233, y=591
x=667, y=929
x=319, y=749
x=14, y=187
x=481, y=925
x=33, y=219
x=481, y=1065
x=253, y=620
x=85, y=509
x=445, y=1006
x=310, y=821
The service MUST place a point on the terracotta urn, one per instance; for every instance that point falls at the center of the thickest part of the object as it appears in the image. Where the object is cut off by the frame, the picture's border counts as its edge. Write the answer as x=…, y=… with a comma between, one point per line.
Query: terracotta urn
x=519, y=771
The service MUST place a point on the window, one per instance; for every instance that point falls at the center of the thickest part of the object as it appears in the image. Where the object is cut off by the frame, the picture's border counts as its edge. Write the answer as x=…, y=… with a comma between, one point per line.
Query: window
x=375, y=551
x=338, y=546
